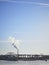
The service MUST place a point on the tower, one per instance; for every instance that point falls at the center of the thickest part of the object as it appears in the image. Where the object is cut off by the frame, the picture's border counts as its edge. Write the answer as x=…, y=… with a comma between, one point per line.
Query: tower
x=16, y=48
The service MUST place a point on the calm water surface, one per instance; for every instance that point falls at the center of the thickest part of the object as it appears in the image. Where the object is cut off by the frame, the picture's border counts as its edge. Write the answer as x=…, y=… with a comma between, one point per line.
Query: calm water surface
x=24, y=62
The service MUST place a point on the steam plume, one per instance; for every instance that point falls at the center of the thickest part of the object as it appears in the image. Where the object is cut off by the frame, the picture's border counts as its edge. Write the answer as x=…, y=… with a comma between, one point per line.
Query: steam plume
x=14, y=42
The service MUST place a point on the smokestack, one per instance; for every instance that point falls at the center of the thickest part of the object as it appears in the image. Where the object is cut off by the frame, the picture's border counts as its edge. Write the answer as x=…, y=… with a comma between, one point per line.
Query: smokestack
x=16, y=48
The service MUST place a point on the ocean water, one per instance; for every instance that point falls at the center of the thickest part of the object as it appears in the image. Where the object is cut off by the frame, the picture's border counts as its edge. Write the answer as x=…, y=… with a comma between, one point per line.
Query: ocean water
x=24, y=62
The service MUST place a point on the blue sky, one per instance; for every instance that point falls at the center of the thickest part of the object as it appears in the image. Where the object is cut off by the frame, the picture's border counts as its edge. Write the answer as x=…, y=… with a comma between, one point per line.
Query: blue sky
x=26, y=20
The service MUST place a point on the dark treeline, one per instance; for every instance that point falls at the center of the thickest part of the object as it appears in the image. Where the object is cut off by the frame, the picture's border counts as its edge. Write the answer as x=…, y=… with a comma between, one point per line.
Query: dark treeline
x=24, y=57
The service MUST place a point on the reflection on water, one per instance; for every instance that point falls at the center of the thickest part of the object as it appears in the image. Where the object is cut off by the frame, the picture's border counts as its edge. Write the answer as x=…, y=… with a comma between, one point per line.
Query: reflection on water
x=24, y=62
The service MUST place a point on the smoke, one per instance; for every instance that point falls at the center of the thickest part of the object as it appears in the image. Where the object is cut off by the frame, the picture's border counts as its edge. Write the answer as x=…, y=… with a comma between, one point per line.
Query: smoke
x=15, y=42
x=14, y=45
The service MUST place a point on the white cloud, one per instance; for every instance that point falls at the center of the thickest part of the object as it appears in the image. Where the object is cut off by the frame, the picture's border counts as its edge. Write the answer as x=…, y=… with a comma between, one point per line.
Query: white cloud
x=27, y=2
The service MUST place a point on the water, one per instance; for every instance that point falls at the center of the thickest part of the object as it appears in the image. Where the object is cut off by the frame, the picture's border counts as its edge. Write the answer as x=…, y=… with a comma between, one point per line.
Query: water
x=24, y=62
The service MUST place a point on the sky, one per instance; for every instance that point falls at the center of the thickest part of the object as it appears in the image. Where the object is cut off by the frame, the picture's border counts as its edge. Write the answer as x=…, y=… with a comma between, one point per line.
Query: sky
x=25, y=20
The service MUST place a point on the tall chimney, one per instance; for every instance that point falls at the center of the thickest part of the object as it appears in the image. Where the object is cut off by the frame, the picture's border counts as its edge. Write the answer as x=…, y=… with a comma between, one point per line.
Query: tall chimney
x=16, y=48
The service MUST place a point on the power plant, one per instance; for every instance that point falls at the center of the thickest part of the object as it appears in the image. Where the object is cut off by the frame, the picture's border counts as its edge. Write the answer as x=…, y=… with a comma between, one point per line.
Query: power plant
x=23, y=57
